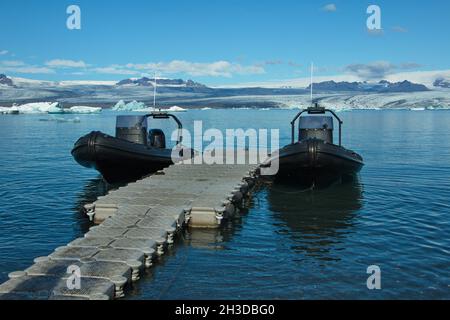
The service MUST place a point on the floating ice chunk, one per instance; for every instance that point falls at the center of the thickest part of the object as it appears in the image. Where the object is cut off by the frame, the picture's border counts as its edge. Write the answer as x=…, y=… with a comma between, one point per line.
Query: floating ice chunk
x=5, y=110
x=48, y=107
x=131, y=106
x=176, y=109
x=40, y=107
x=119, y=105
x=84, y=109
x=150, y=109
x=61, y=120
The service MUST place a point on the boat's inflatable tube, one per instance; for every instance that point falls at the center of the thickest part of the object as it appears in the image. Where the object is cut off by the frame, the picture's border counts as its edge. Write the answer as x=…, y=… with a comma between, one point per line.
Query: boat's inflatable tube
x=119, y=160
x=315, y=158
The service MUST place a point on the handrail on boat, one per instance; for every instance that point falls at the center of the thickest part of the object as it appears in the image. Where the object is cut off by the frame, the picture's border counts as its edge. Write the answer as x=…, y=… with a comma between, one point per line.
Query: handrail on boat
x=166, y=115
x=316, y=109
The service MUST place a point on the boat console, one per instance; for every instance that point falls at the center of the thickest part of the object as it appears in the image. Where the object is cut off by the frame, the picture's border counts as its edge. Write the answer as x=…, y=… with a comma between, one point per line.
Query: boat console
x=316, y=125
x=132, y=129
x=135, y=129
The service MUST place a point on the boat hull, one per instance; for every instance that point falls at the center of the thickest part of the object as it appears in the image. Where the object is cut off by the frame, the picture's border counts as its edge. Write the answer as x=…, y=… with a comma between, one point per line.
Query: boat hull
x=119, y=160
x=314, y=160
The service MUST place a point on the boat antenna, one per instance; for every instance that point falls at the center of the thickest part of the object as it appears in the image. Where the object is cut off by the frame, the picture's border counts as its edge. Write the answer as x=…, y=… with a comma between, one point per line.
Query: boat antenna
x=311, y=86
x=154, y=92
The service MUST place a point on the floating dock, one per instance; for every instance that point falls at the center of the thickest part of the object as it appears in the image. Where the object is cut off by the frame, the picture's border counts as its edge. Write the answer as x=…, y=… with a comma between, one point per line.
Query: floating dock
x=136, y=225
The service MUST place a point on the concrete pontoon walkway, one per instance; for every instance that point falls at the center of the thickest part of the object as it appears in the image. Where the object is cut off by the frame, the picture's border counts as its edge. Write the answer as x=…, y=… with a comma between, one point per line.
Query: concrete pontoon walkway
x=137, y=223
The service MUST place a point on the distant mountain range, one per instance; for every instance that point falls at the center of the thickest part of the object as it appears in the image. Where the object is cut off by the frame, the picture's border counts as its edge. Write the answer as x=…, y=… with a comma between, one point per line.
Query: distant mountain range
x=442, y=83
x=147, y=82
x=188, y=93
x=4, y=80
x=180, y=84
x=381, y=87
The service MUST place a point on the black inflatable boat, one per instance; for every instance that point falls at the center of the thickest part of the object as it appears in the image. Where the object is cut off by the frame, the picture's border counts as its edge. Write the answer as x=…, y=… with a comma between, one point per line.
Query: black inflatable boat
x=314, y=157
x=133, y=153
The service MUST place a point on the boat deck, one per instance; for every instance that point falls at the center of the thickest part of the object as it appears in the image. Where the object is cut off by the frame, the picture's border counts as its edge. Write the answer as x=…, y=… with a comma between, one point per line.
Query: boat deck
x=136, y=224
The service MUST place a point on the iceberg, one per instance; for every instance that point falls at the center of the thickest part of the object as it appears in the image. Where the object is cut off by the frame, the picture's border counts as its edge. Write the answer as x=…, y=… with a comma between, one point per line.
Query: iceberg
x=119, y=105
x=176, y=109
x=61, y=120
x=48, y=107
x=150, y=109
x=131, y=106
x=5, y=110
x=39, y=107
x=84, y=110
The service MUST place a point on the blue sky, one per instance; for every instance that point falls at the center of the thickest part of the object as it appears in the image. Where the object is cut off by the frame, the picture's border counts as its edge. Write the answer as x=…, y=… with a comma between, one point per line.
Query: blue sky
x=222, y=42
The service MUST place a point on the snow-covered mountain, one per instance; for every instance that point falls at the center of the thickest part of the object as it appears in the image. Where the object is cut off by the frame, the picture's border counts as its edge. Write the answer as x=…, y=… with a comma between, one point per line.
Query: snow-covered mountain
x=442, y=83
x=147, y=82
x=4, y=80
x=190, y=94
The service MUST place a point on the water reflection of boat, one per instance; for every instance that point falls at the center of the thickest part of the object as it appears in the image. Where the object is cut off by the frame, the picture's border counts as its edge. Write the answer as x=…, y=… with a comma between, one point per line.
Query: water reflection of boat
x=317, y=220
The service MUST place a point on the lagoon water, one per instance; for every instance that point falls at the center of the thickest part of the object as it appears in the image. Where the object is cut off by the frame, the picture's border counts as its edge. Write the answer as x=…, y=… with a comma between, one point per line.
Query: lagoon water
x=288, y=243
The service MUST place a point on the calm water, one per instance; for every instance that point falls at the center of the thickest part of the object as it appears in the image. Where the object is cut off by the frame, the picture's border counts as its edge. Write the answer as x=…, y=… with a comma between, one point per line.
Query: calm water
x=288, y=244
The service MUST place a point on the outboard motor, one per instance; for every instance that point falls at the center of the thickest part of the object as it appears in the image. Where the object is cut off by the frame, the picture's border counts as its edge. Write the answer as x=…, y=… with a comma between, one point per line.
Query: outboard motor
x=316, y=127
x=132, y=129
x=156, y=138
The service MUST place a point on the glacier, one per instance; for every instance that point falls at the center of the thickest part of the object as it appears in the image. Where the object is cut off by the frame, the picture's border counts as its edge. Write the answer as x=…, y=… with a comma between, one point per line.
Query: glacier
x=430, y=100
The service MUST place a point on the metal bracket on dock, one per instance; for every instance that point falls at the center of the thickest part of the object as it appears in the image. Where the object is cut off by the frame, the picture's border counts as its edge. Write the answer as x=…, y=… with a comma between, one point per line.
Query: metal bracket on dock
x=187, y=215
x=90, y=211
x=220, y=215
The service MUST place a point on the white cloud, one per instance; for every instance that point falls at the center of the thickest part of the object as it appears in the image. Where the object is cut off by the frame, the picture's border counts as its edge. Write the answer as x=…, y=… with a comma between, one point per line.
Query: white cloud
x=330, y=7
x=3, y=52
x=17, y=66
x=272, y=62
x=294, y=64
x=12, y=63
x=399, y=29
x=378, y=70
x=27, y=70
x=115, y=69
x=213, y=69
x=62, y=63
x=373, y=70
x=33, y=69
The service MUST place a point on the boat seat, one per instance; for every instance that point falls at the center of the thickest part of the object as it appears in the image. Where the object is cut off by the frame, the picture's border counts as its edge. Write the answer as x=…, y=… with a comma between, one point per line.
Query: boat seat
x=157, y=138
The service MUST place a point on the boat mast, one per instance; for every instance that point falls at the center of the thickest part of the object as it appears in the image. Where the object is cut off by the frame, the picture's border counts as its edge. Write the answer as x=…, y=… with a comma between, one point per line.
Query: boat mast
x=311, y=86
x=154, y=92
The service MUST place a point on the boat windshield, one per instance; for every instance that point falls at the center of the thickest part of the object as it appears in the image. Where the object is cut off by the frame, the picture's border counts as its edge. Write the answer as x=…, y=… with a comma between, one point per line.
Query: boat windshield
x=131, y=122
x=316, y=122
